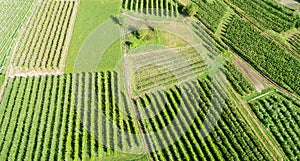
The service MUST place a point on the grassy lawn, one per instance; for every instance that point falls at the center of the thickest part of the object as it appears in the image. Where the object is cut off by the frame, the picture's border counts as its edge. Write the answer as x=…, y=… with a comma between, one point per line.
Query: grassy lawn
x=92, y=13
x=153, y=37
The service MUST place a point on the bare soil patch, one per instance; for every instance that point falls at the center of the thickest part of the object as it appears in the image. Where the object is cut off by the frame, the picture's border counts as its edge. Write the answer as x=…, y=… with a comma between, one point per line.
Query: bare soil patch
x=258, y=82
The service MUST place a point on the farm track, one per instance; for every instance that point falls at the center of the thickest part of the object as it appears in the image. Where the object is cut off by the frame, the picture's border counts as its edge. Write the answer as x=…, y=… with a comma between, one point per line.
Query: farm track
x=37, y=73
x=259, y=83
x=135, y=113
x=266, y=77
x=253, y=118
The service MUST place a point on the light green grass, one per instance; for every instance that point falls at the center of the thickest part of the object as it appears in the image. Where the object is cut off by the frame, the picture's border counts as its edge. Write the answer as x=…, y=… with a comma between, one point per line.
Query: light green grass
x=92, y=13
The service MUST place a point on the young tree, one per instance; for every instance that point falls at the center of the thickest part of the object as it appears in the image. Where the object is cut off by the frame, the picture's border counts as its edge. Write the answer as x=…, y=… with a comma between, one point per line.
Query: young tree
x=190, y=10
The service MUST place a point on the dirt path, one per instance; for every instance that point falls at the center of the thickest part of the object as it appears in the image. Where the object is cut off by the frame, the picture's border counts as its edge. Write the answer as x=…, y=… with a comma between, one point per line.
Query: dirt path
x=253, y=118
x=262, y=74
x=260, y=96
x=258, y=82
x=293, y=4
x=37, y=73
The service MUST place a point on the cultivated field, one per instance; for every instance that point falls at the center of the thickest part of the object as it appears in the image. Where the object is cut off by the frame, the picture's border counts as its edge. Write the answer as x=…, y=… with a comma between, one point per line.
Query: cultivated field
x=164, y=80
x=14, y=15
x=44, y=44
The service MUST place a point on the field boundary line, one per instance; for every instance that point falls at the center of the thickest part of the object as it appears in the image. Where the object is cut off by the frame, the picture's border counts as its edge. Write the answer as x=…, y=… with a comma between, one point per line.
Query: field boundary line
x=134, y=112
x=254, y=119
x=259, y=96
x=262, y=74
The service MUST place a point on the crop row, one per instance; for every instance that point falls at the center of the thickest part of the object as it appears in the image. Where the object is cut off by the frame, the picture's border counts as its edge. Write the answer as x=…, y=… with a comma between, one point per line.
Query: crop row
x=265, y=54
x=154, y=7
x=180, y=112
x=269, y=14
x=238, y=81
x=210, y=13
x=43, y=43
x=281, y=115
x=14, y=15
x=64, y=117
x=294, y=41
x=167, y=69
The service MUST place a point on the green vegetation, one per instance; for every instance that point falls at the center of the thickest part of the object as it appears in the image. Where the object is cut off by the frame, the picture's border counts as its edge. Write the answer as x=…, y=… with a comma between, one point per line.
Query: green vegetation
x=231, y=139
x=14, y=15
x=92, y=13
x=263, y=53
x=45, y=117
x=268, y=14
x=167, y=68
x=46, y=34
x=238, y=81
x=281, y=115
x=153, y=7
x=140, y=38
x=174, y=88
x=210, y=12
x=294, y=42
x=190, y=10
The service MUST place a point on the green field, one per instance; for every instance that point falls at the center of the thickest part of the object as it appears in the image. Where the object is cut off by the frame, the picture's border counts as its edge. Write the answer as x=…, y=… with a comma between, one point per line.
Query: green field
x=92, y=13
x=149, y=80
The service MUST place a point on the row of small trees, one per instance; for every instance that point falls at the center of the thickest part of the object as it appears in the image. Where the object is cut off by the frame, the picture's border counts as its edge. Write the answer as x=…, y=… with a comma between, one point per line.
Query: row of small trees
x=154, y=7
x=183, y=110
x=263, y=53
x=281, y=116
x=268, y=14
x=237, y=79
x=45, y=34
x=65, y=117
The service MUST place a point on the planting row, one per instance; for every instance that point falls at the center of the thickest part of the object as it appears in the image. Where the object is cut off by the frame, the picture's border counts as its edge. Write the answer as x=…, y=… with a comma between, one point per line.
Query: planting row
x=14, y=15
x=153, y=7
x=165, y=69
x=44, y=43
x=294, y=42
x=269, y=14
x=210, y=13
x=178, y=125
x=281, y=115
x=238, y=81
x=265, y=54
x=64, y=117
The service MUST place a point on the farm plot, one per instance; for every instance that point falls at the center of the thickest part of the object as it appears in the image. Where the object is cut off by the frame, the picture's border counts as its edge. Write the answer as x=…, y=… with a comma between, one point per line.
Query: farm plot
x=14, y=15
x=268, y=14
x=182, y=110
x=281, y=116
x=62, y=118
x=45, y=42
x=166, y=68
x=266, y=55
x=210, y=13
x=150, y=64
x=154, y=7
